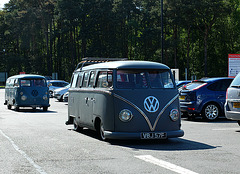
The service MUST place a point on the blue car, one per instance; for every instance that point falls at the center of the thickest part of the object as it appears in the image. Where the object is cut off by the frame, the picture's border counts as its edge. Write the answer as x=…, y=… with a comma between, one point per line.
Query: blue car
x=204, y=97
x=181, y=83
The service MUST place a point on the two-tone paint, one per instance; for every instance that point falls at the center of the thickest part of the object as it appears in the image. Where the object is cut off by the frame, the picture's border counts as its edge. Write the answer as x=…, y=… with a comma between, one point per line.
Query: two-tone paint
x=27, y=90
x=140, y=111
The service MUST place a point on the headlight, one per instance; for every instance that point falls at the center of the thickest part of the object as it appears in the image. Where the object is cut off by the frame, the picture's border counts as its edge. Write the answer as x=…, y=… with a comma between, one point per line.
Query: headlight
x=174, y=114
x=125, y=115
x=45, y=97
x=24, y=97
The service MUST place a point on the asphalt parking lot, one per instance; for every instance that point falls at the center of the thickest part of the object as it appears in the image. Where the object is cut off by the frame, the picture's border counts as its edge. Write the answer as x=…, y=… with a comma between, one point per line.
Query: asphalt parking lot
x=40, y=142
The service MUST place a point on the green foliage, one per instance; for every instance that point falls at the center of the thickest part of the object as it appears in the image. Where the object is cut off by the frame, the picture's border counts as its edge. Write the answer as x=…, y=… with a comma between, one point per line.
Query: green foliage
x=53, y=35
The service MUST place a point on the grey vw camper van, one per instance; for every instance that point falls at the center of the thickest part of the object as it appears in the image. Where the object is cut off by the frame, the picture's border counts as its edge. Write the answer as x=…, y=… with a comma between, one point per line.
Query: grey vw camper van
x=26, y=90
x=125, y=100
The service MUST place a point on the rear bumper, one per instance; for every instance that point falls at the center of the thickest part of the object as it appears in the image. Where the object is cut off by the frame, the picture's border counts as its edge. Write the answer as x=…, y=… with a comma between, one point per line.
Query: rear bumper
x=189, y=107
x=137, y=135
x=232, y=115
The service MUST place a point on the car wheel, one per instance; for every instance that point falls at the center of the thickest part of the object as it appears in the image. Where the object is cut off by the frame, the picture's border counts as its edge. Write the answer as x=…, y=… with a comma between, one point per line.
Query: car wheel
x=45, y=109
x=238, y=122
x=101, y=132
x=16, y=108
x=9, y=106
x=210, y=111
x=61, y=99
x=76, y=127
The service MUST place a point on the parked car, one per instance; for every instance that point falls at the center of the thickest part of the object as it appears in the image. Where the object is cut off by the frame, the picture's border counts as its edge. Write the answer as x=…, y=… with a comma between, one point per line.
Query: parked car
x=58, y=93
x=65, y=97
x=55, y=84
x=204, y=97
x=232, y=104
x=181, y=83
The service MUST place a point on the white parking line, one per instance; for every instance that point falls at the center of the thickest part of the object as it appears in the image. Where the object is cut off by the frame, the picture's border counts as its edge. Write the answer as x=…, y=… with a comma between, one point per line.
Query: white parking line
x=226, y=129
x=167, y=165
x=30, y=160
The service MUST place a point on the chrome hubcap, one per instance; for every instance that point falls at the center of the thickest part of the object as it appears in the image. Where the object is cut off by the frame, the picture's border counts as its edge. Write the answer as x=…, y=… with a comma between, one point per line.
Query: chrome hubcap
x=211, y=112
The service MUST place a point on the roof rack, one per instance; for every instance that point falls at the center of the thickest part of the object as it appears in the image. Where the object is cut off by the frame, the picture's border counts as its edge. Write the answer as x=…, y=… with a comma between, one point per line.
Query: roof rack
x=93, y=60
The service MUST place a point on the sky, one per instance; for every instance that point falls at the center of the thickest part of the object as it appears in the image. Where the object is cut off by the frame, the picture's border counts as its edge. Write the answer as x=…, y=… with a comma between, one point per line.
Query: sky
x=2, y=2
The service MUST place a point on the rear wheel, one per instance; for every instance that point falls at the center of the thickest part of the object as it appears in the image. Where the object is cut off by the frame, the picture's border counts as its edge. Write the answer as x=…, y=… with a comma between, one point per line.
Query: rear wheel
x=238, y=122
x=9, y=106
x=76, y=127
x=101, y=132
x=210, y=111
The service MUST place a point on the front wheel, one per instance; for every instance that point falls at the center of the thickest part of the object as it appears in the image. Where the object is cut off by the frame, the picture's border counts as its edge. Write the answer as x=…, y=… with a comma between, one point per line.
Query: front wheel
x=45, y=108
x=210, y=112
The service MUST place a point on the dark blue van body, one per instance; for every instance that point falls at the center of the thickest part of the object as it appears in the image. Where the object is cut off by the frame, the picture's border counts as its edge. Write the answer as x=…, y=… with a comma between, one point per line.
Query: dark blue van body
x=125, y=100
x=27, y=90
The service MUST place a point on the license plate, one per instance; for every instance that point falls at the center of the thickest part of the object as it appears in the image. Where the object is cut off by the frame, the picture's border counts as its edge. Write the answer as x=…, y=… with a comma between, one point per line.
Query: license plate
x=182, y=97
x=236, y=105
x=153, y=135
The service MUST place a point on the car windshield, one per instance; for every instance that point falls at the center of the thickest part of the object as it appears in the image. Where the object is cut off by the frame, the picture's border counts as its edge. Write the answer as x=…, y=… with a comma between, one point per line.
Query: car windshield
x=142, y=79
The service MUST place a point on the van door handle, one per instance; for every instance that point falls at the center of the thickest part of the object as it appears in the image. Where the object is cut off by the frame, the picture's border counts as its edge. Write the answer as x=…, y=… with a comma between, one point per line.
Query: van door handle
x=86, y=99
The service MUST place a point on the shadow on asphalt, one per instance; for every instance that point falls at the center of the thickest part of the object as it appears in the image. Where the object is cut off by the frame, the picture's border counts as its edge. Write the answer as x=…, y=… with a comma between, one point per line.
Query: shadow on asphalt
x=219, y=120
x=171, y=144
x=30, y=110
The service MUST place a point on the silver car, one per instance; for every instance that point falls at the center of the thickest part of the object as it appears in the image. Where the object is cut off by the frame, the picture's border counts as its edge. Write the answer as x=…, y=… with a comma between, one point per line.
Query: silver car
x=232, y=105
x=55, y=84
x=59, y=93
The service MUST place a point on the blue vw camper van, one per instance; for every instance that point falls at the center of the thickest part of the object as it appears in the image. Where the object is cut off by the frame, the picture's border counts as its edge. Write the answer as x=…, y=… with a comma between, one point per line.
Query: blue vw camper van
x=26, y=90
x=125, y=100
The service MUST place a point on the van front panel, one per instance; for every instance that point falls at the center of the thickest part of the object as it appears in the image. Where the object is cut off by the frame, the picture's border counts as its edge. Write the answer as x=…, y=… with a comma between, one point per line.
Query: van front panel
x=32, y=92
x=150, y=110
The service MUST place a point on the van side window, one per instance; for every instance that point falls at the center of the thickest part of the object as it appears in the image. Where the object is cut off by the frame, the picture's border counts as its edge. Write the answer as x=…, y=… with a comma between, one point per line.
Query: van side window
x=80, y=77
x=85, y=79
x=74, y=81
x=91, y=79
x=16, y=83
x=8, y=82
x=11, y=82
x=104, y=79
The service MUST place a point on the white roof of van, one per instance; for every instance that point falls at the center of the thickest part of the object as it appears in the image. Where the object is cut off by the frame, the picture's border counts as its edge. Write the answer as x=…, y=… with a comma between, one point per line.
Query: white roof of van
x=127, y=65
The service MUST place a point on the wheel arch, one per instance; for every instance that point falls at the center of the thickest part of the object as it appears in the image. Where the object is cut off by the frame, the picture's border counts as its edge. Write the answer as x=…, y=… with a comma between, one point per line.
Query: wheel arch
x=212, y=102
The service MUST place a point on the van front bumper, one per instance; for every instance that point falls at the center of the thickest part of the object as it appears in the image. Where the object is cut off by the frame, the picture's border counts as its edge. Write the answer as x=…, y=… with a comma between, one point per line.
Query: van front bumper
x=137, y=135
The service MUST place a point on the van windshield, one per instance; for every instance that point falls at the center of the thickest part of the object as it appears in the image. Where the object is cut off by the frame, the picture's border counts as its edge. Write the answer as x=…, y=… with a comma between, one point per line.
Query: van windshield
x=33, y=82
x=141, y=79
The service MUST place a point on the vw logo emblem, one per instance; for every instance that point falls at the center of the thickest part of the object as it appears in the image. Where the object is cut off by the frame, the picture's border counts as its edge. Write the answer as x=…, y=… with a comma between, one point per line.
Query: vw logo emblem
x=151, y=104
